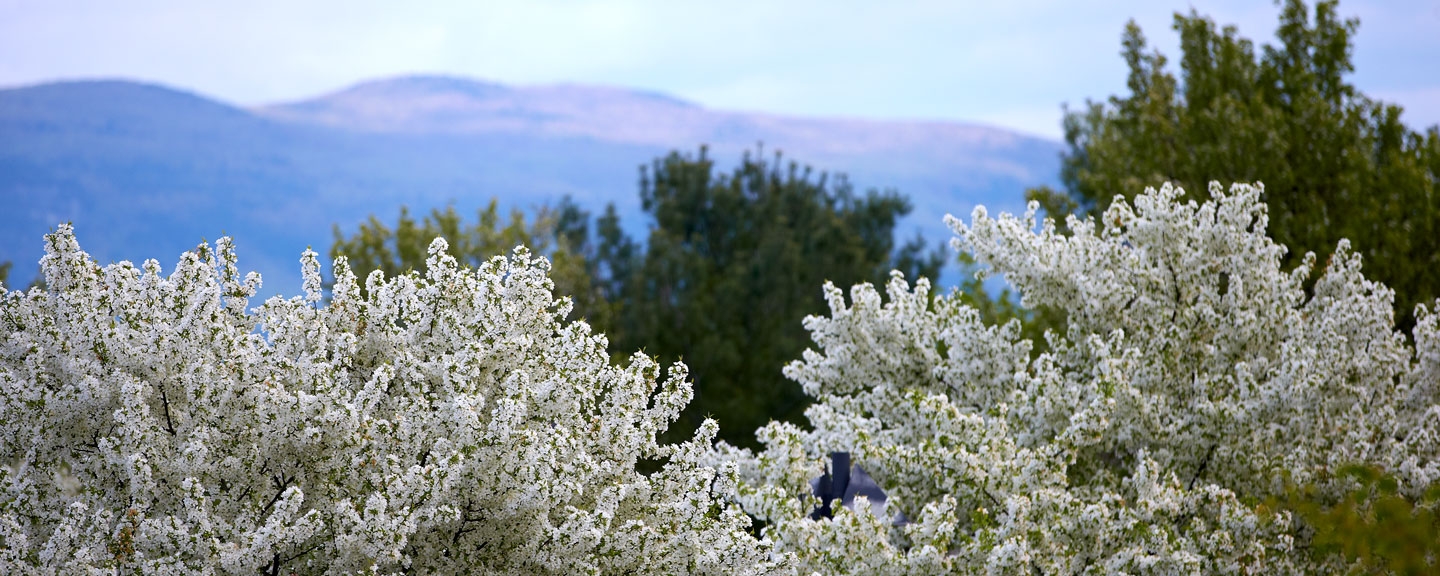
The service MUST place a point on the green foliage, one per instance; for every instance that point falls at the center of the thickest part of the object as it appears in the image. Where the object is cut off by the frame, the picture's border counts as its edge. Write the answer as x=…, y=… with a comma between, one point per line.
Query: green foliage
x=732, y=265
x=1335, y=163
x=6, y=267
x=1374, y=528
x=1000, y=308
x=557, y=233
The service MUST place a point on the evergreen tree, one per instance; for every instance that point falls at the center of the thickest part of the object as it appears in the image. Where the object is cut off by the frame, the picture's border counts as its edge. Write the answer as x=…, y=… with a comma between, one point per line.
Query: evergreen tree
x=733, y=264
x=1335, y=164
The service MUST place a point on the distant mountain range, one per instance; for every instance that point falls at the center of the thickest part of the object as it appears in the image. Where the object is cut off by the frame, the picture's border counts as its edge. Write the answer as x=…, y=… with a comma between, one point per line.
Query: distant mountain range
x=147, y=171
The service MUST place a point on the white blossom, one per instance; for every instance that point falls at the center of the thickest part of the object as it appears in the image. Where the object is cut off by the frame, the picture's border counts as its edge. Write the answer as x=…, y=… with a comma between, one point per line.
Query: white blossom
x=453, y=423
x=440, y=424
x=1193, y=379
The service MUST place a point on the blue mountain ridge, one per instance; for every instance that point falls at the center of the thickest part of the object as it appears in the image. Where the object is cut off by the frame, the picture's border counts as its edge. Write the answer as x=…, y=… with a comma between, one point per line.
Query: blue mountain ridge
x=146, y=171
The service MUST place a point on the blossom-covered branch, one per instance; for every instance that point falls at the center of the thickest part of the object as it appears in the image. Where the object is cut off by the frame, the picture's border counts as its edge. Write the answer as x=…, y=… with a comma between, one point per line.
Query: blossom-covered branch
x=1196, y=380
x=443, y=424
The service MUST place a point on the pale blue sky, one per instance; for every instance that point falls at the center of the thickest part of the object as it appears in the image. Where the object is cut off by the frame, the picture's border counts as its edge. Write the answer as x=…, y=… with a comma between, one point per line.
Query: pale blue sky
x=1011, y=65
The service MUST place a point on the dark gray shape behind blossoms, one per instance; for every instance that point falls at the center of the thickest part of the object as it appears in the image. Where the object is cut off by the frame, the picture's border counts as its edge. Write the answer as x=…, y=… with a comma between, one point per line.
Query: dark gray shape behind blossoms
x=845, y=481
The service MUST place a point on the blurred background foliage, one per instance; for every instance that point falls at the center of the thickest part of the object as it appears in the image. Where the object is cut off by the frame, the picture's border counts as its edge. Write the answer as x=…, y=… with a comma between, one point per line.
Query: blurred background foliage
x=553, y=232
x=733, y=262
x=1335, y=163
x=1374, y=528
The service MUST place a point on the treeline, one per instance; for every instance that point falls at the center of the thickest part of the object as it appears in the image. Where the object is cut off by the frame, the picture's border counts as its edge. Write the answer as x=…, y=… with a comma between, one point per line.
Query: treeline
x=732, y=263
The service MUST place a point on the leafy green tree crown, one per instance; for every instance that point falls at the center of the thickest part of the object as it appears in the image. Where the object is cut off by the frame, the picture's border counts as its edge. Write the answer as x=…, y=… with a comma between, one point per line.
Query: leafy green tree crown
x=734, y=260
x=1335, y=163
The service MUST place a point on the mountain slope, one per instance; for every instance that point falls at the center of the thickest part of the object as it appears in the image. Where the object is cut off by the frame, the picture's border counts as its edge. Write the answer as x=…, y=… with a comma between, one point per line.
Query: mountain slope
x=147, y=171
x=443, y=105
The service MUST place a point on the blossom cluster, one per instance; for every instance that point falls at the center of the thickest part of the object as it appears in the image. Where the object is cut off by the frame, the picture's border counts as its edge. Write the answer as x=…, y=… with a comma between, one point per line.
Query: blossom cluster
x=453, y=422
x=1194, y=379
x=449, y=422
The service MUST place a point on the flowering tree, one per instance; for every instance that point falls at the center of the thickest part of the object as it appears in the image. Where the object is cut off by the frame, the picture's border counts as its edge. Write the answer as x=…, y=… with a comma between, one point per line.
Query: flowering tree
x=445, y=423
x=1195, y=381
x=452, y=422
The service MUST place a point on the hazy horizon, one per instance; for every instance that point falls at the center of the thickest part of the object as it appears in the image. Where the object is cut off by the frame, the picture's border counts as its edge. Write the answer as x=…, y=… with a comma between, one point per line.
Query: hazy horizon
x=256, y=106
x=1011, y=66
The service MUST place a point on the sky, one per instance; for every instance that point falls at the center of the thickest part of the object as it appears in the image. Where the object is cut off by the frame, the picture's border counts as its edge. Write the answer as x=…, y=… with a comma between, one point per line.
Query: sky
x=1011, y=64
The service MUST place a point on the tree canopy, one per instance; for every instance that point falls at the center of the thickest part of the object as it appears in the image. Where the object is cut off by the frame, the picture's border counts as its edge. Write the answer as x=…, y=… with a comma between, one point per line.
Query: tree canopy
x=451, y=422
x=454, y=422
x=555, y=232
x=733, y=264
x=731, y=267
x=1334, y=162
x=1196, y=383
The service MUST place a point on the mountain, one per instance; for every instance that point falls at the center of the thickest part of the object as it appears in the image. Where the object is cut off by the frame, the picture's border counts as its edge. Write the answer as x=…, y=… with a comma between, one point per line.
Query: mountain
x=146, y=171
